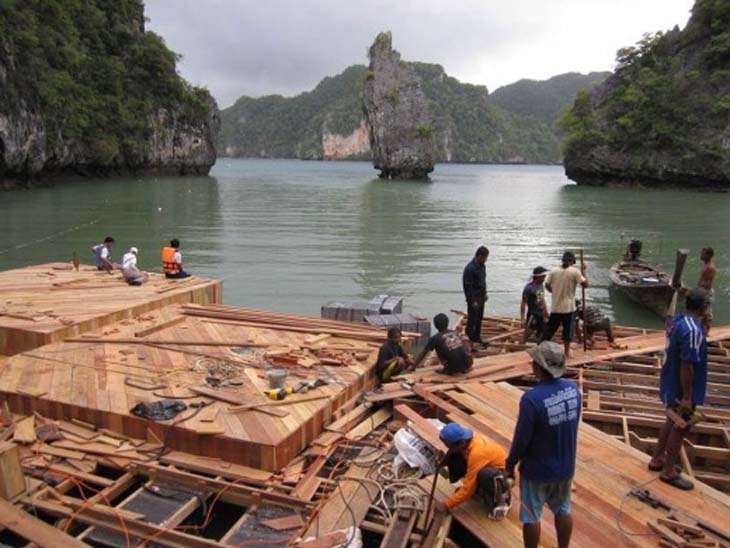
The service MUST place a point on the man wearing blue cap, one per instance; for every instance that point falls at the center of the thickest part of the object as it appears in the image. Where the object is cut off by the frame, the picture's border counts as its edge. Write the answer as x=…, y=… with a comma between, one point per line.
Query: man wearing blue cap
x=480, y=462
x=545, y=445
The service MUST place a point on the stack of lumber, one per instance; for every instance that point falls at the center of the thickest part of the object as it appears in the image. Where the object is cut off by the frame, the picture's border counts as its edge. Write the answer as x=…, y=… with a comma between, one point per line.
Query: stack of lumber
x=286, y=322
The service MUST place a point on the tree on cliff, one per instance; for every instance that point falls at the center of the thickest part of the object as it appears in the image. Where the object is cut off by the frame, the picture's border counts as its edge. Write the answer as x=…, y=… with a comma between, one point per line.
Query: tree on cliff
x=84, y=85
x=663, y=116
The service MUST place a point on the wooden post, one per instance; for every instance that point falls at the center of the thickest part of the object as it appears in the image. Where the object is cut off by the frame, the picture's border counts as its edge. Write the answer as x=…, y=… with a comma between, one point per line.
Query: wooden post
x=12, y=480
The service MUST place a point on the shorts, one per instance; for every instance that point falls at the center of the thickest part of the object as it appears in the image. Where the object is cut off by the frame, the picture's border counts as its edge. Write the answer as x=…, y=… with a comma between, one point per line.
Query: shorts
x=535, y=494
x=707, y=314
x=535, y=321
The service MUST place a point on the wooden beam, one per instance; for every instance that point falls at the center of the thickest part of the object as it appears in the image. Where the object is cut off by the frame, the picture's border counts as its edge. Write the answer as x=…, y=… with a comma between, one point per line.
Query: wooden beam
x=108, y=518
x=400, y=529
x=33, y=529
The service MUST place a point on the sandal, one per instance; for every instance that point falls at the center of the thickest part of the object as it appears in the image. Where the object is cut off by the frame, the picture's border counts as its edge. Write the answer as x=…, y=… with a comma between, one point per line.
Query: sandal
x=677, y=481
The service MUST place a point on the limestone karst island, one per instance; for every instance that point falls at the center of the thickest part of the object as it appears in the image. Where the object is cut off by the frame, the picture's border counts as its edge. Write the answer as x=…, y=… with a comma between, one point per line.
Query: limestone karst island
x=337, y=275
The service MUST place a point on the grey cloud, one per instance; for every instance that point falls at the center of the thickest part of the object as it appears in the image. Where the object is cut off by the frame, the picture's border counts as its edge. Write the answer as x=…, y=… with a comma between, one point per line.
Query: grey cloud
x=245, y=47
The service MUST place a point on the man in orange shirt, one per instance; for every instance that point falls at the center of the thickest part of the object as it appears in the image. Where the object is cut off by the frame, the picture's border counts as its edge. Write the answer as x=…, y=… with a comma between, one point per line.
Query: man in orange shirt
x=481, y=463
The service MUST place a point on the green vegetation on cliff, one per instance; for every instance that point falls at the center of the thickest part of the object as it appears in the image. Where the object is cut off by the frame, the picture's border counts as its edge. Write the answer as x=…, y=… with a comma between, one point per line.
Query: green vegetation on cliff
x=663, y=116
x=93, y=74
x=277, y=127
x=469, y=124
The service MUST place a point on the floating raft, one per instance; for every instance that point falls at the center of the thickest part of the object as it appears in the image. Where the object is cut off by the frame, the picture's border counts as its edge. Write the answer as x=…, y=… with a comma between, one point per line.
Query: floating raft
x=219, y=362
x=51, y=302
x=315, y=463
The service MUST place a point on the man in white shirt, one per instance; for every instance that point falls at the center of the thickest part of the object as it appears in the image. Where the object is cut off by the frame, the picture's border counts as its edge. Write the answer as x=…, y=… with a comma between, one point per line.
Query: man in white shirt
x=132, y=274
x=562, y=283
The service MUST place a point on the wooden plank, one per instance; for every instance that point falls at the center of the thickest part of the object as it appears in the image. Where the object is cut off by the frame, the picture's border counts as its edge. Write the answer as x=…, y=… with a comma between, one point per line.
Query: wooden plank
x=159, y=326
x=288, y=401
x=59, y=452
x=12, y=480
x=294, y=521
x=33, y=529
x=25, y=430
x=329, y=540
x=400, y=529
x=102, y=516
x=594, y=400
x=685, y=527
x=77, y=430
x=368, y=425
x=667, y=534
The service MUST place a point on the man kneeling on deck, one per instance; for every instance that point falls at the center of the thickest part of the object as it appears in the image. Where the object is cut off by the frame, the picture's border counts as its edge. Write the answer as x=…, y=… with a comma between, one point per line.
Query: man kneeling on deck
x=392, y=358
x=595, y=321
x=480, y=462
x=453, y=350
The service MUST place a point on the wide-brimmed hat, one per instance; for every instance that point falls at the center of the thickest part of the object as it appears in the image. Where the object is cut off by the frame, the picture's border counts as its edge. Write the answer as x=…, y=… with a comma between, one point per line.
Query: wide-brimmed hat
x=550, y=356
x=538, y=271
x=454, y=433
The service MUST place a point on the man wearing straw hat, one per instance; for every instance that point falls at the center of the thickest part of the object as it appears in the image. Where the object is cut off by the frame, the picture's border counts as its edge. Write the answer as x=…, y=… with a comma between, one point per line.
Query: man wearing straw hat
x=545, y=444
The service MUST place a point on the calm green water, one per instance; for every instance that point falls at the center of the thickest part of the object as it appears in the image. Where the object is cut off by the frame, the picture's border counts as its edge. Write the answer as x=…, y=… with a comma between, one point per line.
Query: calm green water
x=291, y=235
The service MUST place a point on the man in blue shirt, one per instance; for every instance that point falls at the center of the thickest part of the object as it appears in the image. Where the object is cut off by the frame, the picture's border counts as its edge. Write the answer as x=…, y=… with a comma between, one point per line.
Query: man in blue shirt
x=103, y=255
x=682, y=384
x=545, y=445
x=474, y=280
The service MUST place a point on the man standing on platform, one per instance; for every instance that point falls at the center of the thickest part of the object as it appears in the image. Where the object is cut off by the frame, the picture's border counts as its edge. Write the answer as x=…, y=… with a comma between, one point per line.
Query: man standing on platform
x=474, y=281
x=533, y=302
x=545, y=445
x=562, y=283
x=682, y=386
x=707, y=277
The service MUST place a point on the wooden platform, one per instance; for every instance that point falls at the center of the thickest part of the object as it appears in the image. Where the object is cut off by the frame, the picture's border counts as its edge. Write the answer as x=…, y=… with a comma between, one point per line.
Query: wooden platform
x=47, y=303
x=606, y=472
x=98, y=381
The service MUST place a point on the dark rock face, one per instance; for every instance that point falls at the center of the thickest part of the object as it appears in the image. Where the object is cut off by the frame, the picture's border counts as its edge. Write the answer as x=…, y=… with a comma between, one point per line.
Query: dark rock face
x=397, y=114
x=663, y=118
x=59, y=116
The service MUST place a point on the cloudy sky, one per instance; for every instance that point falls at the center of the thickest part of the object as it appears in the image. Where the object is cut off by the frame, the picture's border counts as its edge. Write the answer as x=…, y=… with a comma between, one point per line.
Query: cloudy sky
x=259, y=47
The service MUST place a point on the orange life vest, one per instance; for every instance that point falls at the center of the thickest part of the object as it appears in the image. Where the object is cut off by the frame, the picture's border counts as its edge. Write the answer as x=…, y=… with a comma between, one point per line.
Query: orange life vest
x=168, y=265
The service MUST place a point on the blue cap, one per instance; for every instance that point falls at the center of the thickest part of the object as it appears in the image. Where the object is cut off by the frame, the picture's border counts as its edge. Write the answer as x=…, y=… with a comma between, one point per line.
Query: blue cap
x=454, y=432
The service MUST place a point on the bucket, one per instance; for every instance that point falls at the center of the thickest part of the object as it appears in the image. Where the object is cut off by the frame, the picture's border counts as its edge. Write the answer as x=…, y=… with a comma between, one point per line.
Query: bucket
x=277, y=377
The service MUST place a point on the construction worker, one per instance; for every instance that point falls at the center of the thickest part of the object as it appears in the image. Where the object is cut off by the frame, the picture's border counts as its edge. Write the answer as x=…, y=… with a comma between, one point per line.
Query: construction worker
x=103, y=255
x=172, y=261
x=707, y=277
x=545, y=445
x=480, y=462
x=132, y=274
x=533, y=304
x=682, y=386
x=474, y=281
x=452, y=349
x=392, y=357
x=562, y=283
x=595, y=321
